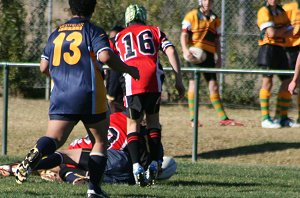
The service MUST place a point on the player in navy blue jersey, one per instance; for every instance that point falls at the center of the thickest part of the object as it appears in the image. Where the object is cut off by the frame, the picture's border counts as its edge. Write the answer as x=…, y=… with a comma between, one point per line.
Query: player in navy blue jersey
x=73, y=58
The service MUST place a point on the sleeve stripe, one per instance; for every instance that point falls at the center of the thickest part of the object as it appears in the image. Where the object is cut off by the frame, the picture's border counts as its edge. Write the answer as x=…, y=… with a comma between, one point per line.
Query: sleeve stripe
x=186, y=25
x=166, y=44
x=44, y=57
x=266, y=25
x=102, y=49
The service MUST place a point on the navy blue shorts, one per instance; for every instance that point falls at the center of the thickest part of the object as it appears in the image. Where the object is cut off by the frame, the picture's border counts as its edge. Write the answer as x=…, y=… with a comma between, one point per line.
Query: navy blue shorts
x=86, y=119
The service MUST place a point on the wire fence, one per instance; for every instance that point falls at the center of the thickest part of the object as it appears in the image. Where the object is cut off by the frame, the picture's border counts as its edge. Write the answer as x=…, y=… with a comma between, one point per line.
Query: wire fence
x=197, y=71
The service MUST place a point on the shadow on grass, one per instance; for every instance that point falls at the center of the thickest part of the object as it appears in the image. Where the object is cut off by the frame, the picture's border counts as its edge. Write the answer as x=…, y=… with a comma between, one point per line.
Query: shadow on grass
x=246, y=150
x=220, y=184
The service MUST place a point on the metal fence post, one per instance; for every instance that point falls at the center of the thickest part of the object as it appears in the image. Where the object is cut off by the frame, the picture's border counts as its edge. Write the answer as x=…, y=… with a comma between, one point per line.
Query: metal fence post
x=49, y=25
x=5, y=108
x=196, y=107
x=222, y=46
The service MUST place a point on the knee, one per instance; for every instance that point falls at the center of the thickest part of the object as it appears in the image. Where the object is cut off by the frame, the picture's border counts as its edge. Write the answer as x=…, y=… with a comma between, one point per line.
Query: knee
x=213, y=87
x=267, y=84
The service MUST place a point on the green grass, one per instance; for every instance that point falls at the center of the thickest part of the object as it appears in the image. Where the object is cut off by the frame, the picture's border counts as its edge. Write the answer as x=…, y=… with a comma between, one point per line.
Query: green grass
x=200, y=179
x=233, y=161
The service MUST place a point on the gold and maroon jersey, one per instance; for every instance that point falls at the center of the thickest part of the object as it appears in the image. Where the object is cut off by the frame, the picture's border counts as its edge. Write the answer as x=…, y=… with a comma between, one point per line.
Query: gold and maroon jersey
x=293, y=13
x=203, y=29
x=271, y=18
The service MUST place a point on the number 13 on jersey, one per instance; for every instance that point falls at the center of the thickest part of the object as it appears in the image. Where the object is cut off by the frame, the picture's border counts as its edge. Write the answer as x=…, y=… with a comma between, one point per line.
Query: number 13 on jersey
x=75, y=39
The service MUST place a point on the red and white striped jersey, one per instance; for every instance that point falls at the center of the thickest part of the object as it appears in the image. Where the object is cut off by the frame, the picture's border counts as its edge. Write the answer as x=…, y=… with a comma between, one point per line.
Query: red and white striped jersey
x=116, y=134
x=138, y=45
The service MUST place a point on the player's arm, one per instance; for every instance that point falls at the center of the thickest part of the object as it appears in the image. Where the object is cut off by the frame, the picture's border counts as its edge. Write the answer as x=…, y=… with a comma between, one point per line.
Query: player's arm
x=266, y=24
x=282, y=32
x=44, y=66
x=112, y=60
x=184, y=39
x=175, y=63
x=295, y=80
x=105, y=54
x=185, y=35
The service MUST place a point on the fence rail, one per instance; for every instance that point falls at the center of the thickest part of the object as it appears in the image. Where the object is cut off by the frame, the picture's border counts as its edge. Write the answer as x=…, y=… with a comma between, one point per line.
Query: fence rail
x=196, y=72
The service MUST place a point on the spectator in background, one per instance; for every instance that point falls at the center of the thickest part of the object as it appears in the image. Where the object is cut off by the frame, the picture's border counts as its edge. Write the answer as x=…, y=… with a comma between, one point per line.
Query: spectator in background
x=200, y=29
x=138, y=44
x=275, y=28
x=78, y=93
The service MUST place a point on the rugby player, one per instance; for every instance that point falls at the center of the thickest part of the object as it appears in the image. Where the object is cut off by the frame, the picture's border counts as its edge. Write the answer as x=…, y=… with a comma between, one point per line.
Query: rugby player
x=201, y=29
x=73, y=57
x=138, y=45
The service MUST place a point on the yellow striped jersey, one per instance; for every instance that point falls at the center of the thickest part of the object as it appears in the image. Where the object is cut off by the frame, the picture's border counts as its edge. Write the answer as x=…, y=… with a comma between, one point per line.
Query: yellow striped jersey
x=203, y=29
x=293, y=13
x=269, y=18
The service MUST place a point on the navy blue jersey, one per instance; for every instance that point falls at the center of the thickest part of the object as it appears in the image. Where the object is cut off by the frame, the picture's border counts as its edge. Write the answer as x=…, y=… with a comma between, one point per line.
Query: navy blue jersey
x=78, y=85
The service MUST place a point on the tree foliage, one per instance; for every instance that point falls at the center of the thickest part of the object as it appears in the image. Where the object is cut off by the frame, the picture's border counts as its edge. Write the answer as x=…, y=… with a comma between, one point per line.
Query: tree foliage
x=20, y=42
x=12, y=30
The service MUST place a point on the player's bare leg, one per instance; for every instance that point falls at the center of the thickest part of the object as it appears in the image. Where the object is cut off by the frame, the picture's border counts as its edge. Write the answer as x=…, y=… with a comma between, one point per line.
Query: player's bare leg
x=57, y=133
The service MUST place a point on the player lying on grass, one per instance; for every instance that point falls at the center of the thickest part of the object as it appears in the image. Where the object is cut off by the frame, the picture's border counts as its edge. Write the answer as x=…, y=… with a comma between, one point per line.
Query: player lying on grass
x=71, y=165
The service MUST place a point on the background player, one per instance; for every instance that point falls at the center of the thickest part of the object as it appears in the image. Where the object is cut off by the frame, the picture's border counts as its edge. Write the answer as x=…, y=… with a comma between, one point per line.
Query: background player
x=292, y=51
x=138, y=45
x=274, y=28
x=78, y=93
x=200, y=28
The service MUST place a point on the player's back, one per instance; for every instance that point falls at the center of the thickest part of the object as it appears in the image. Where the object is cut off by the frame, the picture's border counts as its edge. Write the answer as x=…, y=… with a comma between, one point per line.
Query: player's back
x=139, y=42
x=138, y=45
x=74, y=69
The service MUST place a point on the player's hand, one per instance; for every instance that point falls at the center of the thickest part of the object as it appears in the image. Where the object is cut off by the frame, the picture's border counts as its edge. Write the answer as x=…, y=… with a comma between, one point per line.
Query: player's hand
x=292, y=87
x=189, y=56
x=134, y=72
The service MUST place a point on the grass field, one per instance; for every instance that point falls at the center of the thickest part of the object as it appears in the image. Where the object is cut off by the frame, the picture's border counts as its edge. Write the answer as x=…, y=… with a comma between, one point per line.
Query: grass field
x=233, y=161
